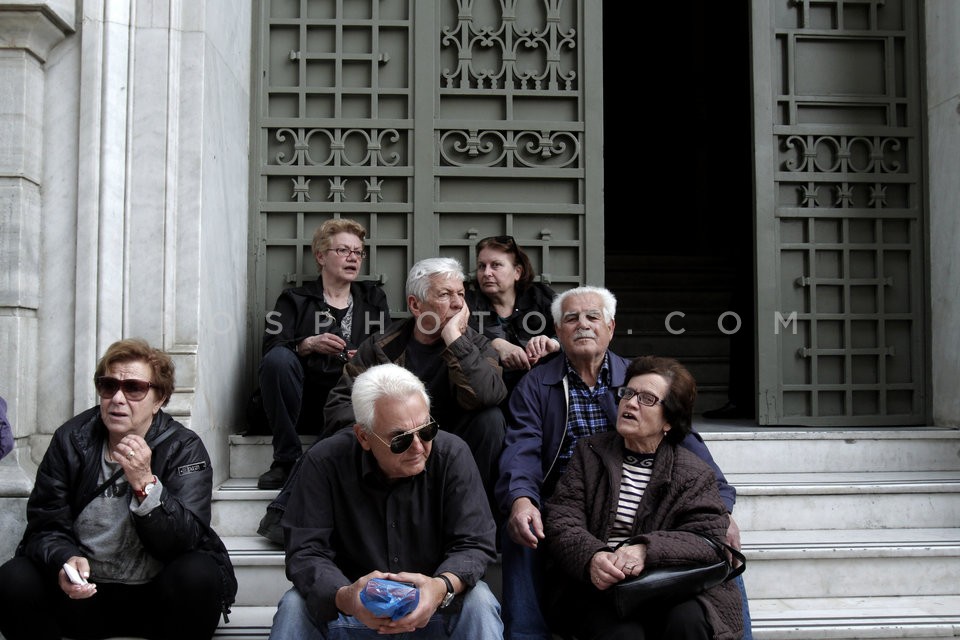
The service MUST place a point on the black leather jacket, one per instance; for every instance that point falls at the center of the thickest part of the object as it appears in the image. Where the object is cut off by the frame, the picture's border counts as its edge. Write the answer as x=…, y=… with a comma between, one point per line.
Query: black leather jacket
x=68, y=475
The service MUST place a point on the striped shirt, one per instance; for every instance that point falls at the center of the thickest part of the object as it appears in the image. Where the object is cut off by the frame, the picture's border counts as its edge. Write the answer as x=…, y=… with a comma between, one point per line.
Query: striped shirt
x=634, y=478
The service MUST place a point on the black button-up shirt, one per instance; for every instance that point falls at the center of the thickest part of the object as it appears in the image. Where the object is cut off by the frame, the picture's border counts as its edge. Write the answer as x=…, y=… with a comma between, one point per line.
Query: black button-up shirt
x=345, y=519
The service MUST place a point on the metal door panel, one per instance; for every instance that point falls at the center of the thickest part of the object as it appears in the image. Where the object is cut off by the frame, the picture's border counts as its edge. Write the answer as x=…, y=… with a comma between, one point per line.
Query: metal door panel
x=840, y=213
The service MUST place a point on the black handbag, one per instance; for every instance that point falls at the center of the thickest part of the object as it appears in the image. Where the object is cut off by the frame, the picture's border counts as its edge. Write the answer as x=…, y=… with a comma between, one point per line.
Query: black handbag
x=675, y=583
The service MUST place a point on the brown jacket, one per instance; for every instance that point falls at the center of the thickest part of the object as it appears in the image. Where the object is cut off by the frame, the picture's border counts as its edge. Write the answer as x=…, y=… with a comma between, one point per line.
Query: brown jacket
x=682, y=496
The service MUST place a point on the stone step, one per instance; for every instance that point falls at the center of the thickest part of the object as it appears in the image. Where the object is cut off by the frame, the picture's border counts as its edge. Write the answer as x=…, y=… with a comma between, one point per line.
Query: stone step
x=764, y=450
x=747, y=448
x=777, y=502
x=851, y=563
x=859, y=500
x=251, y=455
x=927, y=617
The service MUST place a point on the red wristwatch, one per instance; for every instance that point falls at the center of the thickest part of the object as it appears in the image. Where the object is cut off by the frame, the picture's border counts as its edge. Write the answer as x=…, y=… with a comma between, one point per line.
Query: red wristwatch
x=147, y=488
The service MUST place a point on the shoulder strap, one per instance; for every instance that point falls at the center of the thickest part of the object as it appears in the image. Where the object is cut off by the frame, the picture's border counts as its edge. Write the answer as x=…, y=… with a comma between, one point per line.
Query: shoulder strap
x=721, y=547
x=119, y=472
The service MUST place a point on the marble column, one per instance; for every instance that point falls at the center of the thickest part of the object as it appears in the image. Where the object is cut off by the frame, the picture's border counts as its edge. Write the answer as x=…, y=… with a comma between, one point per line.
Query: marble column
x=28, y=32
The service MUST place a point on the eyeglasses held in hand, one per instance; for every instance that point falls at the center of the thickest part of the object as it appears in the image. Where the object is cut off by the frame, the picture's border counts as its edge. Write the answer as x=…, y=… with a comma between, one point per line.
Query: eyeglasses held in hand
x=643, y=397
x=343, y=252
x=132, y=388
x=400, y=443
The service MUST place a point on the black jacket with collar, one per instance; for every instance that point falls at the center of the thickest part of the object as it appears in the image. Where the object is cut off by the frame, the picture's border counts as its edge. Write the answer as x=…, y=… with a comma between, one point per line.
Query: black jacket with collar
x=300, y=312
x=70, y=473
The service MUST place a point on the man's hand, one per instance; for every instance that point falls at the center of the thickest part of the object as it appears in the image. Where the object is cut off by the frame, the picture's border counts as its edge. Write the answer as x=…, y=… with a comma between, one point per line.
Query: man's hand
x=733, y=534
x=733, y=539
x=456, y=325
x=525, y=524
x=348, y=601
x=432, y=592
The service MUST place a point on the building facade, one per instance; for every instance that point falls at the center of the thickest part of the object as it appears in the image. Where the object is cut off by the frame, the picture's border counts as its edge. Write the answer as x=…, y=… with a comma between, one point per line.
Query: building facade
x=164, y=164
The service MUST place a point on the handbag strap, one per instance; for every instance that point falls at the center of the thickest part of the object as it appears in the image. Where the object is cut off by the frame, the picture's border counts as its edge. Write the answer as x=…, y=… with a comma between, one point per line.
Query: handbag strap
x=119, y=472
x=721, y=547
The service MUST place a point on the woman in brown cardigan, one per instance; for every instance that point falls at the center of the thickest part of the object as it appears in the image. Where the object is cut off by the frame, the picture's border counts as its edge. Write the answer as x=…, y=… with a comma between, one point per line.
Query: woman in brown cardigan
x=638, y=481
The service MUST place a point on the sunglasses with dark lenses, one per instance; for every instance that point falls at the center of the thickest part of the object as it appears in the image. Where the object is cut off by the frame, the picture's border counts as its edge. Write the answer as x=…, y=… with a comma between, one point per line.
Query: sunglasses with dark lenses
x=400, y=443
x=643, y=397
x=132, y=389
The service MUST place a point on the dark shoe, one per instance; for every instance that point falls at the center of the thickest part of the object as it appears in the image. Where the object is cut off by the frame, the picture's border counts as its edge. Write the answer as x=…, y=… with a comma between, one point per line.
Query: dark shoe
x=729, y=411
x=275, y=477
x=270, y=526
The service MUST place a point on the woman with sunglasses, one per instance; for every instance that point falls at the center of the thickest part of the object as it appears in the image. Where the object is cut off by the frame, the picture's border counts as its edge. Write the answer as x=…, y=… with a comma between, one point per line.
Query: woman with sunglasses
x=312, y=331
x=118, y=539
x=635, y=498
x=509, y=308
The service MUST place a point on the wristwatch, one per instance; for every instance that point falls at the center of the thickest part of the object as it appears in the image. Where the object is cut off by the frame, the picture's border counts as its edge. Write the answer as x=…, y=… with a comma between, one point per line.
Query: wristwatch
x=447, y=599
x=147, y=488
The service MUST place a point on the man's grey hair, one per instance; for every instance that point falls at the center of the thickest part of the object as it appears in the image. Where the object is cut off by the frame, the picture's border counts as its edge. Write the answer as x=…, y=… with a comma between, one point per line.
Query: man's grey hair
x=418, y=280
x=383, y=381
x=606, y=296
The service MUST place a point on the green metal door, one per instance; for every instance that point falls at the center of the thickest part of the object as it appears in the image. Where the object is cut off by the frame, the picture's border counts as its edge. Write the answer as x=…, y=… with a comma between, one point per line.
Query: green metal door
x=841, y=302
x=432, y=122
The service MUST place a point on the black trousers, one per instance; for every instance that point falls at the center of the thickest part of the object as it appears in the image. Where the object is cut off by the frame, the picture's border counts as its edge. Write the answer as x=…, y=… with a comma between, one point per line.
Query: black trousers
x=589, y=615
x=182, y=602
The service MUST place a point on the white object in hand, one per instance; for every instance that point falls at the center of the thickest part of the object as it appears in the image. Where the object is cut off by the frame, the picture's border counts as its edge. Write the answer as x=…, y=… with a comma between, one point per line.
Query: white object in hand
x=73, y=574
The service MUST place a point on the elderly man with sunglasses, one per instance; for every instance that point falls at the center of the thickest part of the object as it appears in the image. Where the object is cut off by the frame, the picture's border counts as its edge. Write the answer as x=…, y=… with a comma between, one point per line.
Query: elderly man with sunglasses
x=393, y=498
x=554, y=405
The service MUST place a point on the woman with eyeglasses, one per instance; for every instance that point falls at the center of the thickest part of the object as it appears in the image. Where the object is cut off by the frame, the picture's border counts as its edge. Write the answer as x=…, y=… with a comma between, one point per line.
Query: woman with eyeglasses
x=632, y=499
x=312, y=331
x=509, y=308
x=118, y=539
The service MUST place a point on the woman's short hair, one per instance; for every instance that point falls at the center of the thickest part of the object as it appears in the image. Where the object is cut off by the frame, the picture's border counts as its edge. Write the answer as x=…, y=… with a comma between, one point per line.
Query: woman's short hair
x=383, y=381
x=606, y=296
x=418, y=279
x=138, y=350
x=681, y=392
x=508, y=245
x=322, y=237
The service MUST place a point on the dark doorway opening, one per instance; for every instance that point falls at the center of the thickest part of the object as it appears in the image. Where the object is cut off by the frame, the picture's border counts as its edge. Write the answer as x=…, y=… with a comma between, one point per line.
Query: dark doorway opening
x=678, y=190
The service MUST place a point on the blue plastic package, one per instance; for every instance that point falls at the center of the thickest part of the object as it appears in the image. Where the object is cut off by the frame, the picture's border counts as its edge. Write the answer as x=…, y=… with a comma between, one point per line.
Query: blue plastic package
x=388, y=598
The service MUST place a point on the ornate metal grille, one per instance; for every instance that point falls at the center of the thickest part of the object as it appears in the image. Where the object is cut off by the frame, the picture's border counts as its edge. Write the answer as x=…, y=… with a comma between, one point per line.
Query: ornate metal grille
x=432, y=123
x=845, y=207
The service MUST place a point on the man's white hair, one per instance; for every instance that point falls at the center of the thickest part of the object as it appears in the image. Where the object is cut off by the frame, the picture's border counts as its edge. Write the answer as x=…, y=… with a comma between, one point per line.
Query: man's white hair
x=418, y=279
x=383, y=381
x=606, y=296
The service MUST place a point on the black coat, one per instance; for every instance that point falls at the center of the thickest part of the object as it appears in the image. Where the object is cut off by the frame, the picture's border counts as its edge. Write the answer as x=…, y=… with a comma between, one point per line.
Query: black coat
x=68, y=475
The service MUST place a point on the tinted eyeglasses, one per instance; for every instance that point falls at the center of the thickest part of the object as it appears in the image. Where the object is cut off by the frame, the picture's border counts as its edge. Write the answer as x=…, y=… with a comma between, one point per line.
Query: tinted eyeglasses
x=132, y=389
x=343, y=252
x=400, y=443
x=643, y=397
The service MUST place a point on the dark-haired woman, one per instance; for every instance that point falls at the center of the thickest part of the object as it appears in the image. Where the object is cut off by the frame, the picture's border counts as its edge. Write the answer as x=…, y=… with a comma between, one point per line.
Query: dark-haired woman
x=638, y=483
x=122, y=503
x=509, y=308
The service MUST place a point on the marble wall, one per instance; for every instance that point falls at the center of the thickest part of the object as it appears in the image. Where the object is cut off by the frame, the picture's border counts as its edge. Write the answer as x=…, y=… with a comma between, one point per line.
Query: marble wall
x=943, y=138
